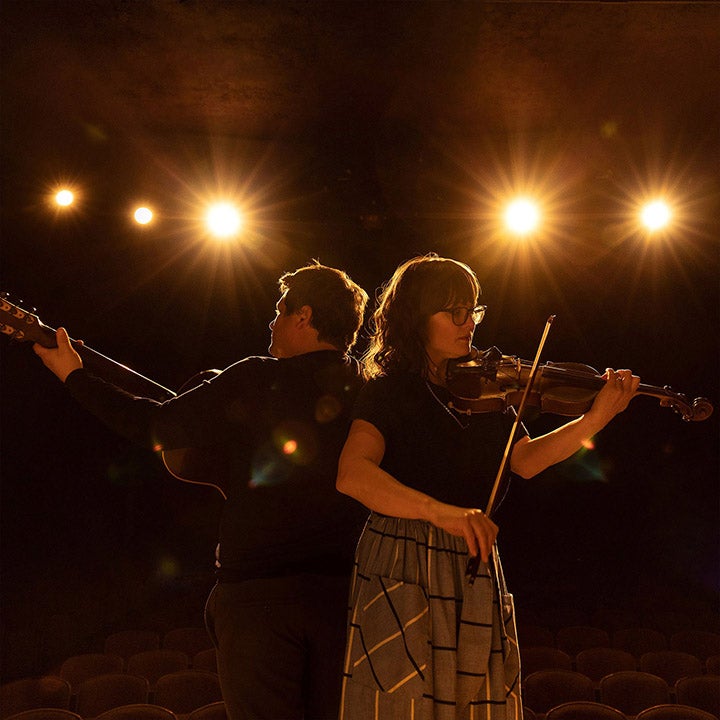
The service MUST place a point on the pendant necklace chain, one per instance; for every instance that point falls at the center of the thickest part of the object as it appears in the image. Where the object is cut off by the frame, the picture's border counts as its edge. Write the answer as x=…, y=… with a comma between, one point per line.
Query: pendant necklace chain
x=448, y=410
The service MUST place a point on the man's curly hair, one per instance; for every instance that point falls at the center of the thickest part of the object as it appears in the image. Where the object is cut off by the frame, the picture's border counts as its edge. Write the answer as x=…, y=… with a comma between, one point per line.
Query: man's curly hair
x=338, y=303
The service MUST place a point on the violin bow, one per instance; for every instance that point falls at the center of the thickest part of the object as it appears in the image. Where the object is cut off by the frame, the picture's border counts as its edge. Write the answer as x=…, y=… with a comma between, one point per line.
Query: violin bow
x=474, y=562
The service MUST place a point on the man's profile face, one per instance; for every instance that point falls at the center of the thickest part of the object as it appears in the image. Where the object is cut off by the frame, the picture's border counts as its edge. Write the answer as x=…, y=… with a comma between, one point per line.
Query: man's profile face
x=282, y=331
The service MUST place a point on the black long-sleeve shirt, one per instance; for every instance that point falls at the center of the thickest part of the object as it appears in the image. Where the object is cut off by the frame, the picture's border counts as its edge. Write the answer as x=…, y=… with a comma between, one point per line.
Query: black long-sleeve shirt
x=278, y=427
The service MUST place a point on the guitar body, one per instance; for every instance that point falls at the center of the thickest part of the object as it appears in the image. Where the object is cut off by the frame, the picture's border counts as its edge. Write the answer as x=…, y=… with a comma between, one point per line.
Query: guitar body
x=200, y=466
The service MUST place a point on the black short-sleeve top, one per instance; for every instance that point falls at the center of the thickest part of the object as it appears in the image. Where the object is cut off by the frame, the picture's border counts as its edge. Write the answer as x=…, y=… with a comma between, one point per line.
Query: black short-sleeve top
x=450, y=456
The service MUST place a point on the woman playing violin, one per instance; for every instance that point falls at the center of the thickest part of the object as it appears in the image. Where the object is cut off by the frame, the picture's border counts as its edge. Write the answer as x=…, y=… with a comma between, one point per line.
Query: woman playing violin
x=423, y=641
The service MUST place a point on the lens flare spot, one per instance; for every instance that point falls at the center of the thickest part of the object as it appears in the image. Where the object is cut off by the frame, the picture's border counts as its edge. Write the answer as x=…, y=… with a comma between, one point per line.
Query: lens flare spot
x=588, y=444
x=327, y=409
x=609, y=129
x=168, y=567
x=300, y=438
x=95, y=133
x=586, y=465
x=269, y=467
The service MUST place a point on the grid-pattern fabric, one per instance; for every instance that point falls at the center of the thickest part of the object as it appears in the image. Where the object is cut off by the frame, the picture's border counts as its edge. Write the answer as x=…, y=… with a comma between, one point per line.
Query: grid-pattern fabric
x=423, y=642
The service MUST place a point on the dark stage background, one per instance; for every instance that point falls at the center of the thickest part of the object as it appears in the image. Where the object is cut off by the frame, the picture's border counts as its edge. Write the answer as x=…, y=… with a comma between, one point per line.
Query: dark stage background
x=380, y=155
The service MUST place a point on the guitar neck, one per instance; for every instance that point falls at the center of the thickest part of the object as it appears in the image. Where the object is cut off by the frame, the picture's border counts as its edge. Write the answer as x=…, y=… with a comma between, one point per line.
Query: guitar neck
x=121, y=375
x=27, y=327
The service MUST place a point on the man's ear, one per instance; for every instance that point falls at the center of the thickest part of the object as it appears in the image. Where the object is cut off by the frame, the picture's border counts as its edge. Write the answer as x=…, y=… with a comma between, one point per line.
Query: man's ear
x=304, y=315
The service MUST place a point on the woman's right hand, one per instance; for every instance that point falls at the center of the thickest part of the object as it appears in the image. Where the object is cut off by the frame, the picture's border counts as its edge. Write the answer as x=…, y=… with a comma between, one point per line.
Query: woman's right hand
x=473, y=524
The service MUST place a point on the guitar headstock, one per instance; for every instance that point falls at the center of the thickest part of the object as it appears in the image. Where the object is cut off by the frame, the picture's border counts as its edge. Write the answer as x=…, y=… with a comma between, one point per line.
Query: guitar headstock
x=23, y=325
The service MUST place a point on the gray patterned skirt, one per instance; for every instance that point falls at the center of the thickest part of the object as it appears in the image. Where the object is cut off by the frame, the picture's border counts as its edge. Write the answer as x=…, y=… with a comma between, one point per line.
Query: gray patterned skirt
x=423, y=642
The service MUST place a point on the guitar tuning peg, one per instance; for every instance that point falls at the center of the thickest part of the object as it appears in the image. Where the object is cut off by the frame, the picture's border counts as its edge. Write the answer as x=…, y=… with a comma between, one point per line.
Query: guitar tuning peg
x=28, y=310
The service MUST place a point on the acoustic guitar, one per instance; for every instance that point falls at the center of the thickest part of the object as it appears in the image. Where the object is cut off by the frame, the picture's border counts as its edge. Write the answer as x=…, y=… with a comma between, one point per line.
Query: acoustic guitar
x=200, y=466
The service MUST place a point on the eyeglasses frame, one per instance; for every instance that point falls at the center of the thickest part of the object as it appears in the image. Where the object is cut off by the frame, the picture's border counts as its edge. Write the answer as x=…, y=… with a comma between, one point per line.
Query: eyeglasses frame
x=475, y=311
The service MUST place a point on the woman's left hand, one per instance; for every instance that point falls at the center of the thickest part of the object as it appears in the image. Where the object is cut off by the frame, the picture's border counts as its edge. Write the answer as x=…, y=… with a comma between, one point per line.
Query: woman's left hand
x=619, y=389
x=531, y=456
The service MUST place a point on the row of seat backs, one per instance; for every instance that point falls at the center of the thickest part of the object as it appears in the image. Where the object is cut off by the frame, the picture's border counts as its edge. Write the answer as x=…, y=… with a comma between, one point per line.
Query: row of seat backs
x=703, y=616
x=125, y=643
x=136, y=711
x=216, y=711
x=629, y=691
x=637, y=641
x=671, y=665
x=588, y=710
x=181, y=692
x=150, y=664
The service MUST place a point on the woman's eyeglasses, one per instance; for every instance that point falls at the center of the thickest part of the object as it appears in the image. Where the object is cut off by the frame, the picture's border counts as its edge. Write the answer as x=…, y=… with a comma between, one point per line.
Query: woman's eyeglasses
x=460, y=314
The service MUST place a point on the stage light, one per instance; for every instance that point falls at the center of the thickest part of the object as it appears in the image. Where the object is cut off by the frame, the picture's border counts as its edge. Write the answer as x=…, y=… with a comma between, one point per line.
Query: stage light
x=224, y=220
x=522, y=216
x=143, y=215
x=655, y=215
x=64, y=198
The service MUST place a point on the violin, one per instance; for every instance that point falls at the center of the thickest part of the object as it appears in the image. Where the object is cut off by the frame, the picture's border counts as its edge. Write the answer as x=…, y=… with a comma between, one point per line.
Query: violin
x=488, y=381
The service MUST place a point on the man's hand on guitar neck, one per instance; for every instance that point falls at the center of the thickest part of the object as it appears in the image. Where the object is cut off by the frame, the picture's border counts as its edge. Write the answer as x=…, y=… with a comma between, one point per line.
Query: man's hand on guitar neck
x=61, y=360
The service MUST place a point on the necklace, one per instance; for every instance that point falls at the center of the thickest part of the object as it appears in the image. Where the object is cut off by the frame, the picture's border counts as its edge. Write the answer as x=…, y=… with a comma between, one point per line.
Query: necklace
x=449, y=409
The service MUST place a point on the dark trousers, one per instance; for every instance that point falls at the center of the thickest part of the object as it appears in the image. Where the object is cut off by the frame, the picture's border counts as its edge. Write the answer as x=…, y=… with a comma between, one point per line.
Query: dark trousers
x=280, y=645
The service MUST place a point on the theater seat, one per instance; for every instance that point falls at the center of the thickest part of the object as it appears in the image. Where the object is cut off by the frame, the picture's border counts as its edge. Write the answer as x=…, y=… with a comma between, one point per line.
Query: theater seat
x=31, y=693
x=546, y=689
x=187, y=690
x=138, y=711
x=674, y=711
x=632, y=691
x=584, y=710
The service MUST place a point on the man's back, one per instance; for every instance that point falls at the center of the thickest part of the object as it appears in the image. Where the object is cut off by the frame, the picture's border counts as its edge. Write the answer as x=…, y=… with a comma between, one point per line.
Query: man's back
x=283, y=514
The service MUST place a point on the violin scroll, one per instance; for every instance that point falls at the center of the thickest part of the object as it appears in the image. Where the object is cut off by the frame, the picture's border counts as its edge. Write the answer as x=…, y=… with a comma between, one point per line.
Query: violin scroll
x=700, y=408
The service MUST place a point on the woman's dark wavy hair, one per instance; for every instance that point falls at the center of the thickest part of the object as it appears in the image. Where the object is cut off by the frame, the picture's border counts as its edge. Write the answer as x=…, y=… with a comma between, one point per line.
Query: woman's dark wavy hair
x=419, y=288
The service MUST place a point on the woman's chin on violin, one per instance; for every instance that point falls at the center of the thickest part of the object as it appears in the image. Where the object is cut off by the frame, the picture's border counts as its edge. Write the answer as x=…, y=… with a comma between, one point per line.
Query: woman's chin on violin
x=449, y=336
